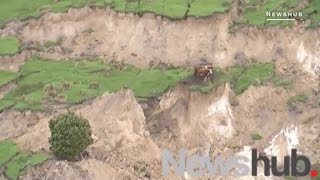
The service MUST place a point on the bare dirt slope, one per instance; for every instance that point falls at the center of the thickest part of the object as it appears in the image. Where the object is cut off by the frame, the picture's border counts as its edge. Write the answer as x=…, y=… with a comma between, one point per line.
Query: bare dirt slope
x=129, y=136
x=128, y=145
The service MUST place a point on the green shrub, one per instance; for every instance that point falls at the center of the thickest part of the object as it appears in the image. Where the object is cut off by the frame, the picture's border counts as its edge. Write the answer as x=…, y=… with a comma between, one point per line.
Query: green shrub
x=70, y=135
x=256, y=137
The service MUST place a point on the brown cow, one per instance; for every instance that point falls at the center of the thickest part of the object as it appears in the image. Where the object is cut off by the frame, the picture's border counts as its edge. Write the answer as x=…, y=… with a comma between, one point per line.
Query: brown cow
x=203, y=72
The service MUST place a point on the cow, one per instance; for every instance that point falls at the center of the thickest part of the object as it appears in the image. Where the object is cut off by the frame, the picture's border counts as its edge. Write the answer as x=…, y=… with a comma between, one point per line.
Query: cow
x=203, y=72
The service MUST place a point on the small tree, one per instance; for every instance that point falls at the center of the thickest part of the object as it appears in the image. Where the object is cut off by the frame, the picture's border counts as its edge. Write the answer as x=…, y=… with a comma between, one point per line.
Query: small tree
x=70, y=135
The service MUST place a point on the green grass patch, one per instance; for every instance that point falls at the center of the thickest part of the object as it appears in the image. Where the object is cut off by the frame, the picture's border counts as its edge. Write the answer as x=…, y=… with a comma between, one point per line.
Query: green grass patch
x=9, y=45
x=155, y=6
x=312, y=12
x=301, y=98
x=207, y=7
x=6, y=77
x=255, y=11
x=14, y=162
x=175, y=8
x=240, y=77
x=19, y=163
x=255, y=74
x=256, y=137
x=43, y=82
x=7, y=150
x=23, y=9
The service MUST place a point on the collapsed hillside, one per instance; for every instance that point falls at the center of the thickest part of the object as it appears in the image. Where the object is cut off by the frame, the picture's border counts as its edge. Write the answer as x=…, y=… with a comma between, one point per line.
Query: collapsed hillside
x=148, y=40
x=128, y=145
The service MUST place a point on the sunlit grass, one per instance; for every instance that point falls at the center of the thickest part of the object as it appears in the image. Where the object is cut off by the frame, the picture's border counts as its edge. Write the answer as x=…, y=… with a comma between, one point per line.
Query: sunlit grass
x=42, y=82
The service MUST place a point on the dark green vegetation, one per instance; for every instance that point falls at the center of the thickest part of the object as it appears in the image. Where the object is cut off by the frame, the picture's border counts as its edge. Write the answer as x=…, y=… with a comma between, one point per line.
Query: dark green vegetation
x=22, y=9
x=256, y=137
x=301, y=98
x=254, y=12
x=70, y=135
x=44, y=82
x=240, y=77
x=15, y=162
x=9, y=45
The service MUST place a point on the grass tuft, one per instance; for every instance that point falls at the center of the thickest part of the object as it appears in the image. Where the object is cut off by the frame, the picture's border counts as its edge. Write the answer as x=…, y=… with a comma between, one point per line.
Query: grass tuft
x=301, y=98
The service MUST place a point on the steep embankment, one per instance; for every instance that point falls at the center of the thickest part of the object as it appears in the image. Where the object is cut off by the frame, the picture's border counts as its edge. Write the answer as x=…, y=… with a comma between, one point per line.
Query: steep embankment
x=151, y=39
x=128, y=145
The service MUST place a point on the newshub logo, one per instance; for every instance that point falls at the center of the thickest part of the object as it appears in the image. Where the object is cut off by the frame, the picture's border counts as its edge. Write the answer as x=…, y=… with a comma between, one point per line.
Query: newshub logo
x=199, y=166
x=283, y=14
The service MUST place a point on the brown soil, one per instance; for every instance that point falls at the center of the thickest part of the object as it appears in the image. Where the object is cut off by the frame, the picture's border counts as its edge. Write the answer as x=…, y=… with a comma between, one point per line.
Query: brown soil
x=150, y=39
x=129, y=136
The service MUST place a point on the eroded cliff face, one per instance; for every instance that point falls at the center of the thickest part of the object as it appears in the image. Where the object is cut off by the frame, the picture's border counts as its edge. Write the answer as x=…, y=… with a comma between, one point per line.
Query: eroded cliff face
x=151, y=39
x=309, y=57
x=129, y=136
